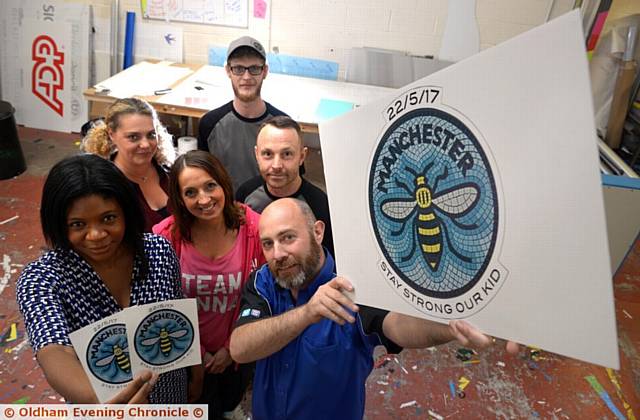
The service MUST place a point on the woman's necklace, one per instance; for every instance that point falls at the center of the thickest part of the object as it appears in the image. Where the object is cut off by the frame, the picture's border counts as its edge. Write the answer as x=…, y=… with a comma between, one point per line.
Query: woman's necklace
x=139, y=179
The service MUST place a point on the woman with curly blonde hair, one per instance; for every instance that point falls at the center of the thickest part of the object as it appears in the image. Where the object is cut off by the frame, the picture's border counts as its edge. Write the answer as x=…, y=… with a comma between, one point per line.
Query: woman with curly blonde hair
x=133, y=138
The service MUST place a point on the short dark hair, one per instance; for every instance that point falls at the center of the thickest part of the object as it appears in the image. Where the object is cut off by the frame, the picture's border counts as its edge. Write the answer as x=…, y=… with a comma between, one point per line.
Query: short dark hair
x=282, y=122
x=245, y=52
x=81, y=176
x=232, y=212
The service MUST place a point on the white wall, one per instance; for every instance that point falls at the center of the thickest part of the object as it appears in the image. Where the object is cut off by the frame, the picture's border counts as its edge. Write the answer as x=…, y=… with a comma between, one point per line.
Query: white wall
x=327, y=29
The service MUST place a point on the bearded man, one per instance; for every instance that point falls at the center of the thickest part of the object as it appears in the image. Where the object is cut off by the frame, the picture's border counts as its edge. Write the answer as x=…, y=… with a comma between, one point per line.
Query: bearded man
x=313, y=345
x=230, y=132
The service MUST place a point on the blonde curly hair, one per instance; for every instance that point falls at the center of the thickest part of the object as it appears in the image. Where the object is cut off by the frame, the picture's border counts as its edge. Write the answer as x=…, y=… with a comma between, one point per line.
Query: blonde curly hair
x=98, y=142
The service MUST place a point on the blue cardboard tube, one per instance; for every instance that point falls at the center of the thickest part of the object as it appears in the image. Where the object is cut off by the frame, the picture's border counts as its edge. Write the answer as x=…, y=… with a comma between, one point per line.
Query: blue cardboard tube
x=128, y=40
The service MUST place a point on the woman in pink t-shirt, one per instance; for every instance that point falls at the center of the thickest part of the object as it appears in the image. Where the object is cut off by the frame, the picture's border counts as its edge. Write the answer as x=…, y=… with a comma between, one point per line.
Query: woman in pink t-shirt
x=218, y=245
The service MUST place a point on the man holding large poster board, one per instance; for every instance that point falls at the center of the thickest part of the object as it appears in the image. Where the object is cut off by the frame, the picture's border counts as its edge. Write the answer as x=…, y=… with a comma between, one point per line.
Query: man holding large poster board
x=475, y=192
x=312, y=344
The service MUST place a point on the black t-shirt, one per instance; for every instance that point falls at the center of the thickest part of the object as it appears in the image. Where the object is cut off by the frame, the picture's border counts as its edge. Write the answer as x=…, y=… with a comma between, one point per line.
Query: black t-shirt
x=255, y=194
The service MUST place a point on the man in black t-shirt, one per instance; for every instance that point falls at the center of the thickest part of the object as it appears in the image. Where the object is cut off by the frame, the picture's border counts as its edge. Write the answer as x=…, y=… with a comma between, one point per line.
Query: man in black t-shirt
x=229, y=132
x=280, y=154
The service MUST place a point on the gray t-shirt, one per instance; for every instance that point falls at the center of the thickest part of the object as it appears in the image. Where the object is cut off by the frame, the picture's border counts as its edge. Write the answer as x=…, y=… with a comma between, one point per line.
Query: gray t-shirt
x=231, y=138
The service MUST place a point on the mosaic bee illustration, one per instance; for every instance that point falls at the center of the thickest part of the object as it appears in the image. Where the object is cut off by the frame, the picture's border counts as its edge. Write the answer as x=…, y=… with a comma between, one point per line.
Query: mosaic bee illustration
x=425, y=207
x=165, y=341
x=121, y=357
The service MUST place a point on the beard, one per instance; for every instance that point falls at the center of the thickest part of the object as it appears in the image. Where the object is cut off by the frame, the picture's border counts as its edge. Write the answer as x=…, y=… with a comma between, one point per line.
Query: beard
x=248, y=97
x=292, y=282
x=306, y=268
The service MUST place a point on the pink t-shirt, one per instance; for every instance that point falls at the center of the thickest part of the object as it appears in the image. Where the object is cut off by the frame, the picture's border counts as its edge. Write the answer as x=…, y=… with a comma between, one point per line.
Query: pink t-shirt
x=217, y=286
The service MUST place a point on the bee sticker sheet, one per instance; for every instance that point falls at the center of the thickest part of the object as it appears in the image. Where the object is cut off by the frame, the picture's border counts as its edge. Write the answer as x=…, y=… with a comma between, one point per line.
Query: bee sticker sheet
x=103, y=351
x=164, y=336
x=475, y=194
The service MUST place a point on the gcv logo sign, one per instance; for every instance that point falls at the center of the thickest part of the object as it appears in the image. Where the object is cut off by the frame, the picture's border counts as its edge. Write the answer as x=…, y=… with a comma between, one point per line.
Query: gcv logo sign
x=435, y=207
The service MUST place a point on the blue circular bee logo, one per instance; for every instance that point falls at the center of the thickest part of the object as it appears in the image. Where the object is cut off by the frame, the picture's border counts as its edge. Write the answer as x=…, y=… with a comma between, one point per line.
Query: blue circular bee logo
x=433, y=202
x=108, y=355
x=163, y=337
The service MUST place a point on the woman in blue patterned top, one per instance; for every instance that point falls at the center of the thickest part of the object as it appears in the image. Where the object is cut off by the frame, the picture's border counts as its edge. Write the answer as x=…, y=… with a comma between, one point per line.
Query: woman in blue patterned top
x=99, y=263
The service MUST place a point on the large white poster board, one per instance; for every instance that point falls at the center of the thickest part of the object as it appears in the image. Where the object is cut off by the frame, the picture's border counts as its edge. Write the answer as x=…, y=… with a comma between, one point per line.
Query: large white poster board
x=475, y=194
x=45, y=62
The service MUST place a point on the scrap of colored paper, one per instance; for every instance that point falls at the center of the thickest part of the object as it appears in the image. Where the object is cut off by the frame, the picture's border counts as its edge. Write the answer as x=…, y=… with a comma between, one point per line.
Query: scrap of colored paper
x=408, y=404
x=216, y=55
x=616, y=384
x=535, y=354
x=13, y=334
x=597, y=26
x=302, y=66
x=605, y=397
x=534, y=366
x=330, y=108
x=259, y=9
x=5, y=337
x=452, y=388
x=462, y=383
x=464, y=354
x=435, y=415
x=22, y=400
x=597, y=29
x=284, y=64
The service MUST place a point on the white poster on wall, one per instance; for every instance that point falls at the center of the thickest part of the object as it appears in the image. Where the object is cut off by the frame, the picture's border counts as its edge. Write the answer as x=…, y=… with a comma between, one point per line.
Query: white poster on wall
x=475, y=194
x=45, y=62
x=158, y=41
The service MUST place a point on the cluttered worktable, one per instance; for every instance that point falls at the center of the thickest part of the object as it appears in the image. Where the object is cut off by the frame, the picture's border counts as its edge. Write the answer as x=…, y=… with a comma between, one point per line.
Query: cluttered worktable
x=191, y=90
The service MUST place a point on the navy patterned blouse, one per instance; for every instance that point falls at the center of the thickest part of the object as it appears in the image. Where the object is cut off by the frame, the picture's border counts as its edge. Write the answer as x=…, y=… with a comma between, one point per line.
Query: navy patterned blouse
x=60, y=292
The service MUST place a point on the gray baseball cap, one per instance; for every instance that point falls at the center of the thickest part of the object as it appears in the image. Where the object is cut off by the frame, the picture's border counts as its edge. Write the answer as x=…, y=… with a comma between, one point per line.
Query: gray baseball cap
x=246, y=41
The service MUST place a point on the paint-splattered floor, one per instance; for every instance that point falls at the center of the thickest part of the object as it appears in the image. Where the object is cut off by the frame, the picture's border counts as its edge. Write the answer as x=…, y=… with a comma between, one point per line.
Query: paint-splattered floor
x=421, y=384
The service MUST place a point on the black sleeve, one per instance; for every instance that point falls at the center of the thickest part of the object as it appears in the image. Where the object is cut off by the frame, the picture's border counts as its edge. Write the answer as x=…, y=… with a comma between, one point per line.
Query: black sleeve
x=327, y=241
x=372, y=319
x=317, y=200
x=207, y=122
x=247, y=188
x=253, y=306
x=275, y=111
x=204, y=130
